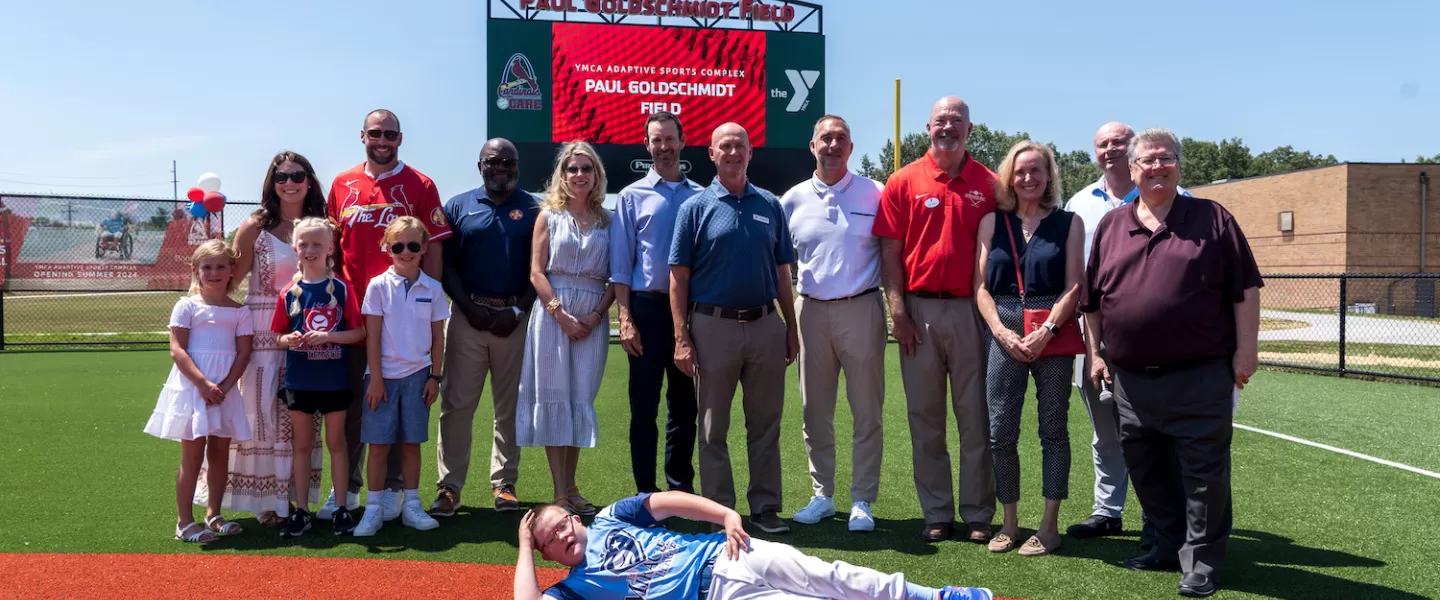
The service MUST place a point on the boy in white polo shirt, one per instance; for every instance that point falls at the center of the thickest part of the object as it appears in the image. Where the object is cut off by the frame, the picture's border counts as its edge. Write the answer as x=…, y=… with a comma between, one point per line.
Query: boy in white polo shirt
x=408, y=309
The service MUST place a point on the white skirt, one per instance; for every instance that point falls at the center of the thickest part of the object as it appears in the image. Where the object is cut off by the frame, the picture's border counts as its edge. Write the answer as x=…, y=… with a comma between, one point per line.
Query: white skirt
x=181, y=413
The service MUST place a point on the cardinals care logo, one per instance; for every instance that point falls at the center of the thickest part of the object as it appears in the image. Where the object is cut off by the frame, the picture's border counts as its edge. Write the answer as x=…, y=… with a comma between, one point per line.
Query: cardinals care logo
x=519, y=88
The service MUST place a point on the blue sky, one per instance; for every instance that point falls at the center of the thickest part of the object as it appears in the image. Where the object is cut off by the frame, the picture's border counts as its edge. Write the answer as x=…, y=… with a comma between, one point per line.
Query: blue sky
x=102, y=95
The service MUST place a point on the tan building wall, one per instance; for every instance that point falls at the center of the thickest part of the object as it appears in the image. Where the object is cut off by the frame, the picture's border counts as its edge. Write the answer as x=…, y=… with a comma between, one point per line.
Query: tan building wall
x=1384, y=219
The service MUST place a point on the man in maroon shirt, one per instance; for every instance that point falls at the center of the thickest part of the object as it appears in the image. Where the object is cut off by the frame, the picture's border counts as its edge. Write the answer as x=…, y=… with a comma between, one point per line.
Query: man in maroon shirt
x=1173, y=291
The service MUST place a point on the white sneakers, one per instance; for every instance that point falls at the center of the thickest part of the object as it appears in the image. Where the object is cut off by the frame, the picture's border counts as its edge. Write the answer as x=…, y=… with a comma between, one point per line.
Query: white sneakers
x=352, y=503
x=860, y=517
x=410, y=514
x=820, y=507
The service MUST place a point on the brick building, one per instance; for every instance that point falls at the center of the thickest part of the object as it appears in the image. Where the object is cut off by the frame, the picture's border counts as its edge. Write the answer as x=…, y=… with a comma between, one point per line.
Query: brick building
x=1350, y=218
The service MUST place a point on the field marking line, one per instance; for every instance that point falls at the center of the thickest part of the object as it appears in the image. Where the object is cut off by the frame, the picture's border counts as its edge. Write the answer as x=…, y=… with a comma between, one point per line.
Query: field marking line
x=1388, y=463
x=9, y=298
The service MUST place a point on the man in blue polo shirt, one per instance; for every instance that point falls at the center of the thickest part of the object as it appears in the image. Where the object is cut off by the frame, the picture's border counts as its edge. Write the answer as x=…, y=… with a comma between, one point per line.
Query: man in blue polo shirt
x=729, y=262
x=640, y=270
x=487, y=276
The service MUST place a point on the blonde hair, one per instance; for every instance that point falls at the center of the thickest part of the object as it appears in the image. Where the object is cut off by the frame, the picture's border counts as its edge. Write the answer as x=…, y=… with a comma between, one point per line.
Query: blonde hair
x=406, y=223
x=1005, y=198
x=557, y=194
x=215, y=248
x=308, y=224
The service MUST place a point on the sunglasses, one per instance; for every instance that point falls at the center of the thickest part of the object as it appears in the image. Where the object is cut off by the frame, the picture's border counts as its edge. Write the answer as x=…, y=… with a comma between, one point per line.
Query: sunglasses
x=573, y=169
x=296, y=177
x=390, y=134
x=495, y=161
x=398, y=247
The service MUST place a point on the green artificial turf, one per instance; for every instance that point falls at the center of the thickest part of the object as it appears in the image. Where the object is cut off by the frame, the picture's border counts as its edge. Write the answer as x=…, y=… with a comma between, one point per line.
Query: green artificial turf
x=81, y=476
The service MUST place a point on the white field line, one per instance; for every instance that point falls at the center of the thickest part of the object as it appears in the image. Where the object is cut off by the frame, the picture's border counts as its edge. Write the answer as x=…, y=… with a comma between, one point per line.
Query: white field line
x=84, y=295
x=1388, y=463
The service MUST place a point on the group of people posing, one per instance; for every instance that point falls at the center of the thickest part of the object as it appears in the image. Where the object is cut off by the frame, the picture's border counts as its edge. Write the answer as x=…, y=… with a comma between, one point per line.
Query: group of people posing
x=983, y=278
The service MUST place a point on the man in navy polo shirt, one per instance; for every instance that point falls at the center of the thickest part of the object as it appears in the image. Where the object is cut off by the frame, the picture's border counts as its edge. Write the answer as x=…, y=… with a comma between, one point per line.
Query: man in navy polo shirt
x=487, y=277
x=729, y=261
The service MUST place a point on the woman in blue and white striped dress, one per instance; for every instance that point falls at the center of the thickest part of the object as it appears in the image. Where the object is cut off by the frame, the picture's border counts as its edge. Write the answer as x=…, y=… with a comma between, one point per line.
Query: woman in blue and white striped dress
x=566, y=343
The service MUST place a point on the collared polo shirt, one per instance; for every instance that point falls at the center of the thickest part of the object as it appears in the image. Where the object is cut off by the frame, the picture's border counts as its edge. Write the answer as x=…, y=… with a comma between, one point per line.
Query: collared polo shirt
x=837, y=252
x=936, y=218
x=732, y=246
x=1167, y=298
x=644, y=227
x=408, y=309
x=492, y=242
x=362, y=206
x=1093, y=201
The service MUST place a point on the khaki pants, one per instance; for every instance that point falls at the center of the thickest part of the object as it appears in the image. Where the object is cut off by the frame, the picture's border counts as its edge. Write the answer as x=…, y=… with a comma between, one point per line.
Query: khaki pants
x=753, y=355
x=469, y=355
x=950, y=347
x=850, y=335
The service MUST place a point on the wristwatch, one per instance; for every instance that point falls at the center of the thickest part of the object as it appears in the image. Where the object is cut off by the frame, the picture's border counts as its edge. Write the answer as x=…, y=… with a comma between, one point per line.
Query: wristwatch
x=1054, y=329
x=438, y=378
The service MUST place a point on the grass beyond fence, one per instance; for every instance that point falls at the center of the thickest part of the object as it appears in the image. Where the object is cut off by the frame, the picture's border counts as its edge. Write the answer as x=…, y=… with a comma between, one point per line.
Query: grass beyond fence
x=80, y=476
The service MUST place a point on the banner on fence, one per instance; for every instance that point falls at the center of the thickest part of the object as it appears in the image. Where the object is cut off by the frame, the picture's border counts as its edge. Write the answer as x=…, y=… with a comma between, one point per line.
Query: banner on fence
x=53, y=243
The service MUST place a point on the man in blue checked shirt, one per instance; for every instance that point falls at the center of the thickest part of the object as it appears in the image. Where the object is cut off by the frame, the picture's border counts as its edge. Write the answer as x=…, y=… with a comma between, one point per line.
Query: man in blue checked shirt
x=623, y=554
x=640, y=270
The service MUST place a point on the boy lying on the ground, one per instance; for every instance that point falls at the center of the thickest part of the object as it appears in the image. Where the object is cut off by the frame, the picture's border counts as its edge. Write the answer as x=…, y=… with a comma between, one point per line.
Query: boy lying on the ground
x=624, y=555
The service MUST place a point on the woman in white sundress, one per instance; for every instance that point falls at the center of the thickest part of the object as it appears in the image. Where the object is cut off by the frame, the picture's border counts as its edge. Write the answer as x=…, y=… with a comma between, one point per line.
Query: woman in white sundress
x=566, y=345
x=260, y=468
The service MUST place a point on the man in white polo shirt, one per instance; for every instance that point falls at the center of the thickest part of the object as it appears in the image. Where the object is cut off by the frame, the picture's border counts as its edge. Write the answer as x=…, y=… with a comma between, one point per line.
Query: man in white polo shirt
x=841, y=315
x=1113, y=190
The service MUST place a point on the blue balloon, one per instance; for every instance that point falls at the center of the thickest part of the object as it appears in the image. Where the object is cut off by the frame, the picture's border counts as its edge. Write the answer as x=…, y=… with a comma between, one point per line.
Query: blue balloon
x=197, y=210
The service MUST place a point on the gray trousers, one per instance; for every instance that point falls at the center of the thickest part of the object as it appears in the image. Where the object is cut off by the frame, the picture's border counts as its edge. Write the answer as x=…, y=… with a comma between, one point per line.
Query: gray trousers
x=1111, y=476
x=1175, y=430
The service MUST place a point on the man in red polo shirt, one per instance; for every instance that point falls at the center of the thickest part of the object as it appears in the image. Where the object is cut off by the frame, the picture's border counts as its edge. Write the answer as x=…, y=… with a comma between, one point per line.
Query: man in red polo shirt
x=929, y=212
x=362, y=202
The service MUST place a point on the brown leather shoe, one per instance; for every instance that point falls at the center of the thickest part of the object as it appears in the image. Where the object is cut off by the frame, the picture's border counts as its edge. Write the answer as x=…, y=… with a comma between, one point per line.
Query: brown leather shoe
x=446, y=502
x=979, y=532
x=505, y=500
x=937, y=532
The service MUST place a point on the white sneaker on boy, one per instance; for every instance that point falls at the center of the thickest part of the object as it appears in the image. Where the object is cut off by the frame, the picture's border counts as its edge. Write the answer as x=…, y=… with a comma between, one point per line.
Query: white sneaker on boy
x=820, y=507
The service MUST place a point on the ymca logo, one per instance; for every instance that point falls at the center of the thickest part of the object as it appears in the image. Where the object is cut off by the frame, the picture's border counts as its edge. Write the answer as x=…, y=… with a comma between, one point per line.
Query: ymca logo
x=519, y=89
x=801, y=82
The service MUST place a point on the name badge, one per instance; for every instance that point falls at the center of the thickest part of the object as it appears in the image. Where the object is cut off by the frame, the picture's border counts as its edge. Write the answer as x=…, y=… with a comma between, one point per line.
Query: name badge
x=426, y=300
x=761, y=219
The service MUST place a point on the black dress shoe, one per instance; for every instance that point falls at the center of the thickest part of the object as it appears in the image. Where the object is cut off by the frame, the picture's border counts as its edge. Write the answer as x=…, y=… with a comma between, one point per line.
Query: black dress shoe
x=769, y=522
x=1095, y=526
x=937, y=532
x=1154, y=561
x=1195, y=585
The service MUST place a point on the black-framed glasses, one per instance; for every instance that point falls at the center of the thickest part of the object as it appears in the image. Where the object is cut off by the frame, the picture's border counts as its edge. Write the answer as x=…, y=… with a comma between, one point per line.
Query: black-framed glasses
x=1158, y=161
x=499, y=162
x=296, y=177
x=398, y=247
x=390, y=134
x=573, y=169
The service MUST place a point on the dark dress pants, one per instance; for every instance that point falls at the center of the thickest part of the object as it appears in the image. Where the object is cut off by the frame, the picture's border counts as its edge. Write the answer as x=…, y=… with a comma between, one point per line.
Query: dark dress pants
x=648, y=372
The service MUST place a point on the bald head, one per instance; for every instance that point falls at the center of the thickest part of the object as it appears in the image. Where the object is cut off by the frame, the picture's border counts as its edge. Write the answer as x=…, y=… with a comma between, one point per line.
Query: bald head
x=1112, y=142
x=496, y=146
x=949, y=127
x=730, y=151
x=499, y=168
x=729, y=129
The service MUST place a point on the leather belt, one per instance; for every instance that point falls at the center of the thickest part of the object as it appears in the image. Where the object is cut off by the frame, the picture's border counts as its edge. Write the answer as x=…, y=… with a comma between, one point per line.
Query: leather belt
x=850, y=297
x=935, y=295
x=494, y=302
x=743, y=315
x=651, y=295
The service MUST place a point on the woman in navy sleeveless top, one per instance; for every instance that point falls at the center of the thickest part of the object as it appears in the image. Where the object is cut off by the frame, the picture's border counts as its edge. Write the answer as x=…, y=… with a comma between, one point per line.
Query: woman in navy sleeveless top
x=1049, y=246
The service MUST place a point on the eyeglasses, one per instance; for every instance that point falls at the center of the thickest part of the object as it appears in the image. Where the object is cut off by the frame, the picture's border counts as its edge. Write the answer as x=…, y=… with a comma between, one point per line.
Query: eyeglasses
x=498, y=162
x=390, y=134
x=398, y=247
x=573, y=169
x=296, y=177
x=1158, y=161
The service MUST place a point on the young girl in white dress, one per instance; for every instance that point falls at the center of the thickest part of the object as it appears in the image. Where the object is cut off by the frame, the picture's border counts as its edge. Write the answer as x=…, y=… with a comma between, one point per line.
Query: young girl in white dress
x=210, y=339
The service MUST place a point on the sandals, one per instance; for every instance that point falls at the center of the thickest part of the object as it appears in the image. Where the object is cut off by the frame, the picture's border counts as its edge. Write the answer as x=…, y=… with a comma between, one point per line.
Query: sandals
x=583, y=507
x=196, y=534
x=224, y=527
x=270, y=518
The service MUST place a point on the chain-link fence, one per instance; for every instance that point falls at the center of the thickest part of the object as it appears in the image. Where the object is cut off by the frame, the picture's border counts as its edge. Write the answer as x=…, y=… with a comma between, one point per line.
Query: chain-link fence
x=1376, y=325
x=81, y=271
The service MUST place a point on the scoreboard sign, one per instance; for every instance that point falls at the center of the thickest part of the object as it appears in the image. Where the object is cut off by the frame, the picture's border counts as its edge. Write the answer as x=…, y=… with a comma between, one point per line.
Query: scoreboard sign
x=594, y=70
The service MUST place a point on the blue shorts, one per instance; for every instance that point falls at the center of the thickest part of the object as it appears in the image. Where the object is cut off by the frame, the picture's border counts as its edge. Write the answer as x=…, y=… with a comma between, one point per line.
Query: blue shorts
x=402, y=417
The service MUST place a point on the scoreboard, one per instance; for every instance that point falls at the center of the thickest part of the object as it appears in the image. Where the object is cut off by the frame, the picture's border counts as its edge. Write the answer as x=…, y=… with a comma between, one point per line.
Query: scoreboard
x=594, y=70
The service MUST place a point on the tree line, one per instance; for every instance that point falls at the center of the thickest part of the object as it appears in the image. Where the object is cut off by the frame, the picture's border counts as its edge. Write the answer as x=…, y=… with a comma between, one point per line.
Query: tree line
x=1201, y=161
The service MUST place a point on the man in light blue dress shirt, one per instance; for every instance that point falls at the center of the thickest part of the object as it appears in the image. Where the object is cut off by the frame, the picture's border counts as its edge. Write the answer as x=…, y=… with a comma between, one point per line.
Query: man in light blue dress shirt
x=640, y=270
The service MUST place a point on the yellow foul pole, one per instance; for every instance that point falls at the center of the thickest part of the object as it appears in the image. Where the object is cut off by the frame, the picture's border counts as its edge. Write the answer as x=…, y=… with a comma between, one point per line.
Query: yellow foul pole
x=897, y=126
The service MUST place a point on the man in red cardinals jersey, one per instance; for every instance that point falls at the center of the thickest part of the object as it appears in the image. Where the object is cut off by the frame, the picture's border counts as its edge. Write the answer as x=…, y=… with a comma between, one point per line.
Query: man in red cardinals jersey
x=362, y=202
